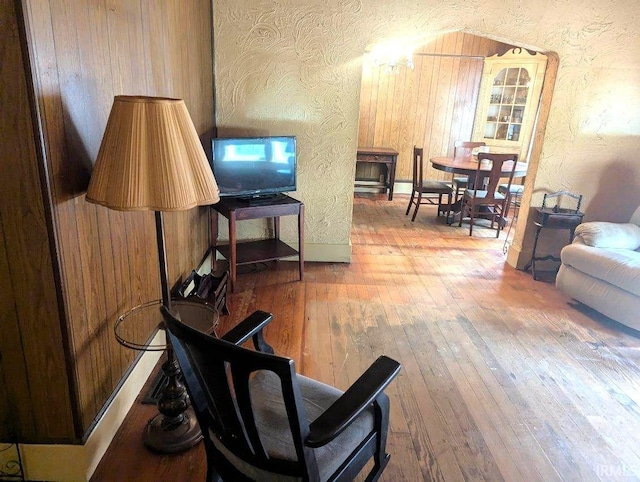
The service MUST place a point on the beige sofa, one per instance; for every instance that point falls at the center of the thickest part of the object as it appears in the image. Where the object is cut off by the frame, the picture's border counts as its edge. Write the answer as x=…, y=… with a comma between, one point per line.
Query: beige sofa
x=601, y=269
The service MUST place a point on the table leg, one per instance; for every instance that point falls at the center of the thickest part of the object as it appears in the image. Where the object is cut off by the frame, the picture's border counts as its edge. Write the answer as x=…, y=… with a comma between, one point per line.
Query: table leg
x=213, y=235
x=456, y=208
x=232, y=250
x=301, y=241
x=533, y=253
x=392, y=178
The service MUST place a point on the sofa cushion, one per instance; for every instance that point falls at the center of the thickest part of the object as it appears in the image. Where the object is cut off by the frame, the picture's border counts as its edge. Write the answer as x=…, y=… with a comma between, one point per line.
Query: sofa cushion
x=602, y=234
x=620, y=267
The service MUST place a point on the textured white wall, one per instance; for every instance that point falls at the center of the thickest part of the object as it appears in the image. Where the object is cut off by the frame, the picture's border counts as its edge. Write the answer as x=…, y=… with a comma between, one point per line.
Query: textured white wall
x=294, y=67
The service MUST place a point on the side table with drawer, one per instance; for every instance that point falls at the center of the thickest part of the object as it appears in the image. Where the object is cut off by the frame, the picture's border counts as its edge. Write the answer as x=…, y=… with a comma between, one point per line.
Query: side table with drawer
x=379, y=155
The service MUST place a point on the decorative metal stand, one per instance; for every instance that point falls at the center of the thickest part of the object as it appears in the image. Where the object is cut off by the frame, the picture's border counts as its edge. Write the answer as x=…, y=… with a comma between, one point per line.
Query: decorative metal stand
x=556, y=217
x=516, y=201
x=10, y=462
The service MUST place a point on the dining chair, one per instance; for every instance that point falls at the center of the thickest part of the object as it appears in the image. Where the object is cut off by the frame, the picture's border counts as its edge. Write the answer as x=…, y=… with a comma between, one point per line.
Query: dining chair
x=425, y=191
x=462, y=149
x=260, y=420
x=487, y=198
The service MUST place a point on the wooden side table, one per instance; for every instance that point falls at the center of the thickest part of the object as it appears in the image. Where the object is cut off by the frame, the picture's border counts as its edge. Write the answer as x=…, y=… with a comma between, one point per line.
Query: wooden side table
x=554, y=218
x=380, y=155
x=248, y=252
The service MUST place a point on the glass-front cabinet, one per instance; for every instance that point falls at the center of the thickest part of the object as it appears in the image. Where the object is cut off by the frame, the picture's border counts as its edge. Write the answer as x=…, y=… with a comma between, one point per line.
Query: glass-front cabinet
x=508, y=101
x=507, y=104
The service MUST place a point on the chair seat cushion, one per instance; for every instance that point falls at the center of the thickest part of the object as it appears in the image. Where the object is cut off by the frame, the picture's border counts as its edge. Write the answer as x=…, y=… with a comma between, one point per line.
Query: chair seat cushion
x=273, y=425
x=438, y=187
x=478, y=194
x=513, y=189
x=461, y=181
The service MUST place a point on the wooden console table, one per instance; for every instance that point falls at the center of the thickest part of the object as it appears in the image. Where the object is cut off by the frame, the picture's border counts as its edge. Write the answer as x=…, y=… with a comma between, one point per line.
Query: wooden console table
x=380, y=155
x=262, y=250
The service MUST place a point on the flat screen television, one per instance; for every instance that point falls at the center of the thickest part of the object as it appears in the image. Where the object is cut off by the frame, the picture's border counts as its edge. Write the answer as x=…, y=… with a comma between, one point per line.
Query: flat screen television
x=249, y=167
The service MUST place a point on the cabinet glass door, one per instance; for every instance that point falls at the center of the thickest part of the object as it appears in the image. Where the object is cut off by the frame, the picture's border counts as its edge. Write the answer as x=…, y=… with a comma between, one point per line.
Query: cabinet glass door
x=509, y=93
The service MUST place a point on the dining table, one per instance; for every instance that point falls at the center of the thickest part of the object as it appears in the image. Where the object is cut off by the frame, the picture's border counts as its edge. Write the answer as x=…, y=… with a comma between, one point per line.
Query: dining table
x=468, y=166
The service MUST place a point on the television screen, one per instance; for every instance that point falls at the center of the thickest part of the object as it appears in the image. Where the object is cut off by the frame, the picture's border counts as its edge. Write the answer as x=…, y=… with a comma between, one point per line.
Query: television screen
x=254, y=166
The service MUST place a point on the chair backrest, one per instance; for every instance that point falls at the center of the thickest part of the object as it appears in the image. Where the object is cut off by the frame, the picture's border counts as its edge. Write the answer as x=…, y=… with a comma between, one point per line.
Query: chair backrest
x=417, y=167
x=218, y=376
x=465, y=148
x=502, y=165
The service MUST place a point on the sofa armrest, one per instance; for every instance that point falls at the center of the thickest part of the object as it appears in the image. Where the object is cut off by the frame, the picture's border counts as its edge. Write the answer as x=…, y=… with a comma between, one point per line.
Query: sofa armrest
x=602, y=234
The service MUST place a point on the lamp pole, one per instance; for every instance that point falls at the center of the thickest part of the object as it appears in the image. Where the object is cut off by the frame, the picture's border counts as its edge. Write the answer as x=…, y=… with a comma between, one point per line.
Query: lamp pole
x=175, y=428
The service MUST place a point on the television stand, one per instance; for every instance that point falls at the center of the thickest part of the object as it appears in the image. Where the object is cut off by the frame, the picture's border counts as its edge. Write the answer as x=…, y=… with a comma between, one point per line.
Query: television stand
x=248, y=252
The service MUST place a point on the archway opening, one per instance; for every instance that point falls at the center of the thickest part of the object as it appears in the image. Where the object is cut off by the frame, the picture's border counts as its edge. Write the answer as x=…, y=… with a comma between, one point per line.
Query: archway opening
x=432, y=101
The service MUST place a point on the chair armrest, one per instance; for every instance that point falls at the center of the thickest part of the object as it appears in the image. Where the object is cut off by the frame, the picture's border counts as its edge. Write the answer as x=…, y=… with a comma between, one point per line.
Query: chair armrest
x=602, y=234
x=251, y=327
x=335, y=419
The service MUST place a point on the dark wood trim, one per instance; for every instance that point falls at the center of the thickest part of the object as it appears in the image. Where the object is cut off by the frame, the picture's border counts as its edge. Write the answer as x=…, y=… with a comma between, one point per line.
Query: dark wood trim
x=45, y=189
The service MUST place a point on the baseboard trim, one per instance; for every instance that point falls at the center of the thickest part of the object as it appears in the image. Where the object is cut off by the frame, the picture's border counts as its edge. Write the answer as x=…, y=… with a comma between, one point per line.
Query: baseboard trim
x=517, y=258
x=327, y=253
x=402, y=187
x=76, y=463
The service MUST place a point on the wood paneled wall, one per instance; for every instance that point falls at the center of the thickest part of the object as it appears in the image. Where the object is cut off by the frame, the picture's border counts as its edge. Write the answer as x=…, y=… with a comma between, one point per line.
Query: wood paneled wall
x=430, y=106
x=31, y=339
x=102, y=263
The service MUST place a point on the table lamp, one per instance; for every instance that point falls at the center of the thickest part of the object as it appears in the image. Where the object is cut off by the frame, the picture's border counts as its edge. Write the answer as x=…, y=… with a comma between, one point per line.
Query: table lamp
x=151, y=158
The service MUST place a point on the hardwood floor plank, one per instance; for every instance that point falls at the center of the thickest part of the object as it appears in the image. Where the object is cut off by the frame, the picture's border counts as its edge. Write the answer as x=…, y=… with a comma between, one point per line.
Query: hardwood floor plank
x=470, y=447
x=512, y=405
x=404, y=464
x=551, y=420
x=498, y=410
x=608, y=434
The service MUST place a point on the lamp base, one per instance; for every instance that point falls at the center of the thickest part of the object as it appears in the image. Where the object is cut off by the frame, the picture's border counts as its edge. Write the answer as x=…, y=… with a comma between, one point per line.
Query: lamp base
x=175, y=439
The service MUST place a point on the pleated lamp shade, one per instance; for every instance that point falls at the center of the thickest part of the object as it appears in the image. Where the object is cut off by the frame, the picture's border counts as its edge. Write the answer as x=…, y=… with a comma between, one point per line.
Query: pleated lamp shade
x=151, y=159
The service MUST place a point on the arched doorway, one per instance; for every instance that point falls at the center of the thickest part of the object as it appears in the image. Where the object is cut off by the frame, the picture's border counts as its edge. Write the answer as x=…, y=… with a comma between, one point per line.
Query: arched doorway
x=434, y=104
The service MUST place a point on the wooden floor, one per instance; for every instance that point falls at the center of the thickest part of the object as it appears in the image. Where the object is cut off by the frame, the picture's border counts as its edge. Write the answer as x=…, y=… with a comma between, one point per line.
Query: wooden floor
x=503, y=377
